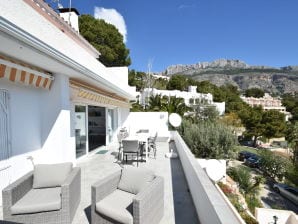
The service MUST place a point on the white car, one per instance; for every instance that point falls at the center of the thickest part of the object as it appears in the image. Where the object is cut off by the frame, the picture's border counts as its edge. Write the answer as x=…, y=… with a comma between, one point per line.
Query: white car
x=288, y=192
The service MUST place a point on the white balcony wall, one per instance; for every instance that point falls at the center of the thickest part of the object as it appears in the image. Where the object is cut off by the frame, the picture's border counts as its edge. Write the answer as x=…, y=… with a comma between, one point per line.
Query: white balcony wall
x=153, y=121
x=210, y=205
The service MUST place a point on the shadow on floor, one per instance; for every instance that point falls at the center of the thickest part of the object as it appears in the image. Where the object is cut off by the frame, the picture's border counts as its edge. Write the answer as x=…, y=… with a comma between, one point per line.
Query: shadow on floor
x=87, y=211
x=183, y=205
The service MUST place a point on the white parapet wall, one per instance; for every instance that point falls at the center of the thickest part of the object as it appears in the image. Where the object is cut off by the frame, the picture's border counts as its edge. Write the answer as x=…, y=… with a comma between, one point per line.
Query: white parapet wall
x=265, y=216
x=210, y=204
x=153, y=121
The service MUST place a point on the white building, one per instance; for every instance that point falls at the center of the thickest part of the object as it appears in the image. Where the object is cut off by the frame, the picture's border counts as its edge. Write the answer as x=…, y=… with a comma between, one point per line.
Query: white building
x=267, y=102
x=191, y=97
x=57, y=101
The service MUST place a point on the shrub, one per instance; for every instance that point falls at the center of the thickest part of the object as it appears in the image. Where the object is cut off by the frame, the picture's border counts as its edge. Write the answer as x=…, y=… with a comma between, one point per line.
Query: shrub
x=292, y=175
x=253, y=202
x=247, y=218
x=225, y=188
x=248, y=185
x=208, y=139
x=273, y=166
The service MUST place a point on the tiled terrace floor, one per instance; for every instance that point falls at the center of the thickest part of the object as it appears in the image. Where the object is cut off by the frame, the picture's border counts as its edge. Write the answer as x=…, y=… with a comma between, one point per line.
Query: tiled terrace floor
x=179, y=207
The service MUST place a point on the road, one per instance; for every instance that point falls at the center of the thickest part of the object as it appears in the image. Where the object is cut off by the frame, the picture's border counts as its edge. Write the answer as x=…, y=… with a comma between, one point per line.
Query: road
x=271, y=199
x=268, y=196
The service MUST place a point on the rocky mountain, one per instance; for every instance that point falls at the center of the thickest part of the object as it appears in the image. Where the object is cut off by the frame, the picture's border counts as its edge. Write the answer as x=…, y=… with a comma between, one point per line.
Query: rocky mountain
x=244, y=76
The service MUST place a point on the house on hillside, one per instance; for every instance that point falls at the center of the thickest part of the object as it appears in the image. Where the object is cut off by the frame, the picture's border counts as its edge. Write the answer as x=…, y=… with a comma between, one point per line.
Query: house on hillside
x=267, y=102
x=191, y=97
x=57, y=101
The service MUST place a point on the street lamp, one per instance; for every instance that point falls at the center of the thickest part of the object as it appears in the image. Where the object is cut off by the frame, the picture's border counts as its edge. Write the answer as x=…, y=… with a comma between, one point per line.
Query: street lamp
x=275, y=218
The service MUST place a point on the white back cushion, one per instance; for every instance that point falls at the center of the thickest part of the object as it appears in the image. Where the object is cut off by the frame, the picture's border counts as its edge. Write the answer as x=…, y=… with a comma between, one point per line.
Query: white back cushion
x=50, y=175
x=133, y=179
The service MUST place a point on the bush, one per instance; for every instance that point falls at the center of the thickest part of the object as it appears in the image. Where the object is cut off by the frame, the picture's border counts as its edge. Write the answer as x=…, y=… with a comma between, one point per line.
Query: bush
x=273, y=166
x=253, y=202
x=208, y=139
x=242, y=176
x=292, y=175
x=247, y=218
x=225, y=188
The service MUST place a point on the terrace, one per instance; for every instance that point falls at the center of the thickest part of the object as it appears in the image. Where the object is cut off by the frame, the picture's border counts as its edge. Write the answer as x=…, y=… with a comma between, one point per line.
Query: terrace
x=189, y=194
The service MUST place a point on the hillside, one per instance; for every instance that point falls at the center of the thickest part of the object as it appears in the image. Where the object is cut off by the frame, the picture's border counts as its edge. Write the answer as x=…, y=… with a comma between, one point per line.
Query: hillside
x=236, y=72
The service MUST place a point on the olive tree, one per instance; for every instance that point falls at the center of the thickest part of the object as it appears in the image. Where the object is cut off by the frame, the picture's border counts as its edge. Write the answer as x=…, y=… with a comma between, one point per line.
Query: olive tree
x=209, y=139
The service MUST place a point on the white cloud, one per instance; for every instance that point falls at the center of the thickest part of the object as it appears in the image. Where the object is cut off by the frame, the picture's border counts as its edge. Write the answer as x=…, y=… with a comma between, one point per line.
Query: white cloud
x=113, y=17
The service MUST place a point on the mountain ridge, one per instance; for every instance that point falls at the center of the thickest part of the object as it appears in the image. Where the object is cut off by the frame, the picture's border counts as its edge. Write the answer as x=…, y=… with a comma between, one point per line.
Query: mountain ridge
x=236, y=72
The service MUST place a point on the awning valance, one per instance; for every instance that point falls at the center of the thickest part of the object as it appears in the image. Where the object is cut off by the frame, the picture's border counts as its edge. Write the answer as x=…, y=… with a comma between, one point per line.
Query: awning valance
x=81, y=94
x=22, y=73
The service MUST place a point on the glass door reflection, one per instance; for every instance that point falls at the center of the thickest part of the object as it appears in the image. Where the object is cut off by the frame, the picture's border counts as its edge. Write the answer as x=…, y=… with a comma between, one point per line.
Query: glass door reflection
x=80, y=130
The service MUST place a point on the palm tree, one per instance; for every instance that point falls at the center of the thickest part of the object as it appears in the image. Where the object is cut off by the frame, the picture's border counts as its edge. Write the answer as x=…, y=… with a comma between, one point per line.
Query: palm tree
x=176, y=105
x=155, y=103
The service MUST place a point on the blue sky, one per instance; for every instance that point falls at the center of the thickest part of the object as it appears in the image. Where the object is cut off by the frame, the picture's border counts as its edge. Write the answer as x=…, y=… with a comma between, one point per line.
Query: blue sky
x=168, y=32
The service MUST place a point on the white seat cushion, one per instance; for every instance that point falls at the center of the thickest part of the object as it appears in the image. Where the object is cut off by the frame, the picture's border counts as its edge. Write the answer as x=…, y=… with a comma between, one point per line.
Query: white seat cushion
x=117, y=206
x=50, y=175
x=38, y=200
x=133, y=179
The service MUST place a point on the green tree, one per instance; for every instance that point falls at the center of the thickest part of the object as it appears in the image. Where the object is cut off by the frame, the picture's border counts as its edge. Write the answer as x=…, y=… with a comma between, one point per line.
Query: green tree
x=232, y=119
x=160, y=83
x=156, y=103
x=207, y=112
x=274, y=124
x=290, y=101
x=175, y=105
x=136, y=79
x=247, y=183
x=106, y=39
x=252, y=120
x=177, y=82
x=262, y=123
x=273, y=165
x=292, y=138
x=254, y=92
x=208, y=139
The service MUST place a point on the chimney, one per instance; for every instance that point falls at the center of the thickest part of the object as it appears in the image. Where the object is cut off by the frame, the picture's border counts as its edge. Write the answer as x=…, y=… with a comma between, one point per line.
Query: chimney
x=70, y=15
x=192, y=89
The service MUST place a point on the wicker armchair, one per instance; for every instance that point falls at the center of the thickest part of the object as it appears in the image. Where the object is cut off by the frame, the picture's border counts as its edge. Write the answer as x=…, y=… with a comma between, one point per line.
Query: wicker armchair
x=146, y=206
x=69, y=195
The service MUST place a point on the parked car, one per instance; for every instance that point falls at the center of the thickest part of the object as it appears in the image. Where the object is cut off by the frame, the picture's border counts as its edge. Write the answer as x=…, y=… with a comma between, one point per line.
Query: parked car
x=287, y=191
x=243, y=155
x=253, y=161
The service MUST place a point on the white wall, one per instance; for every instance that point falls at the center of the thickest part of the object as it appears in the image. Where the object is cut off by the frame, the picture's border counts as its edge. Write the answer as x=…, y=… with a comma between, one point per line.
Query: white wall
x=210, y=205
x=25, y=125
x=40, y=126
x=154, y=121
x=221, y=107
x=57, y=138
x=265, y=216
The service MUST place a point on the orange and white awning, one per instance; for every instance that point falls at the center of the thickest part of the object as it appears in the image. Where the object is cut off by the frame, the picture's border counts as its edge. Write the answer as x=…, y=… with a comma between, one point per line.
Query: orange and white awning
x=22, y=73
x=84, y=95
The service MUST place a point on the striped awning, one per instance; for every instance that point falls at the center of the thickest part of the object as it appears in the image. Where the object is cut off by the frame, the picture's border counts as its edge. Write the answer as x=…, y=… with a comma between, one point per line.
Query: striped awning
x=25, y=74
x=84, y=95
x=101, y=99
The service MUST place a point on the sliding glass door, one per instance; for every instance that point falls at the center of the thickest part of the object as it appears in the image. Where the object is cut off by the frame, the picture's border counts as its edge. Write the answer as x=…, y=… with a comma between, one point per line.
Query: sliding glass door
x=96, y=127
x=80, y=130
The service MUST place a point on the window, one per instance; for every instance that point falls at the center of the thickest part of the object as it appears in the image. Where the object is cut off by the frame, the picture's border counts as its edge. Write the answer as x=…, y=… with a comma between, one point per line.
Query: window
x=4, y=125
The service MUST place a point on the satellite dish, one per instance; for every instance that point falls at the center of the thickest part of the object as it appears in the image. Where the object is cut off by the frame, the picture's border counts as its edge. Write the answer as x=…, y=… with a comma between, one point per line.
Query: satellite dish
x=175, y=120
x=215, y=170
